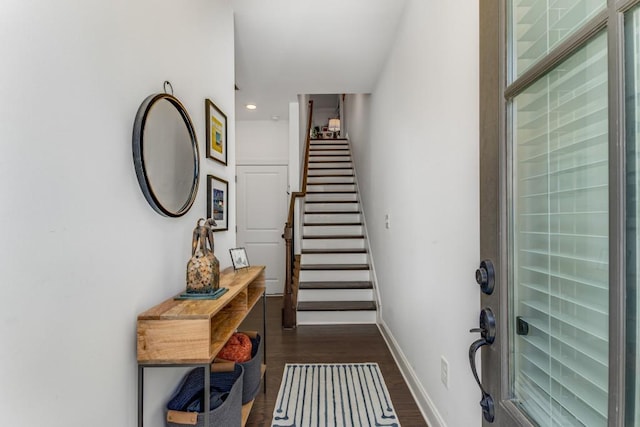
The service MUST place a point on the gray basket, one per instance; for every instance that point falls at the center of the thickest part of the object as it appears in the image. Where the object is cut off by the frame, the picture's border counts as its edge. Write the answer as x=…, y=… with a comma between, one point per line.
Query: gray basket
x=229, y=413
x=252, y=368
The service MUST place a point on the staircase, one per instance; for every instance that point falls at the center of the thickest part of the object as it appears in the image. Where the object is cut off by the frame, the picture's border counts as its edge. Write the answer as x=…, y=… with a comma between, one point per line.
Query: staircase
x=334, y=280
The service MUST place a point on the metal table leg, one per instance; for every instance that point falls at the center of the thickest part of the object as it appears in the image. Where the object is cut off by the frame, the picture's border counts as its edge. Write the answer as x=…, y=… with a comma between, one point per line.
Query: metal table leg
x=207, y=393
x=140, y=394
x=207, y=386
x=264, y=337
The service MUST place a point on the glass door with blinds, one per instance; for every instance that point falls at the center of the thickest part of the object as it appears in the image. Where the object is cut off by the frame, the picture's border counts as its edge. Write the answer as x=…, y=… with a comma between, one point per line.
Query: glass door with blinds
x=559, y=228
x=560, y=170
x=632, y=128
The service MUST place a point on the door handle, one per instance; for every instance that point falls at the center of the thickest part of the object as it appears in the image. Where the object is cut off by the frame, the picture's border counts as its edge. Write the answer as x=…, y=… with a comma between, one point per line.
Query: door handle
x=487, y=331
x=486, y=276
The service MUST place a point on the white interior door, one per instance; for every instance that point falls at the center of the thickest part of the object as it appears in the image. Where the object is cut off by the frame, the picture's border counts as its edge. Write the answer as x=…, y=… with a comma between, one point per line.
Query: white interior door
x=262, y=212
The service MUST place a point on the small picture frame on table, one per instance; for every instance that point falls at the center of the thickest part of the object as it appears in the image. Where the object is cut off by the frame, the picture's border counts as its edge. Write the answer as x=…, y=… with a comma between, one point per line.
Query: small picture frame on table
x=218, y=202
x=239, y=258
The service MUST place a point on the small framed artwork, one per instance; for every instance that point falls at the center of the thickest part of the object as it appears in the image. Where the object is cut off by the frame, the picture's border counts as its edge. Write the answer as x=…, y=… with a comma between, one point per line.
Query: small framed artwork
x=216, y=132
x=239, y=258
x=218, y=202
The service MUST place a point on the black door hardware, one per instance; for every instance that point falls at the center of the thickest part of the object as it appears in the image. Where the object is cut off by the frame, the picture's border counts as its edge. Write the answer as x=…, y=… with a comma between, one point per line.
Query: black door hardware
x=487, y=331
x=486, y=276
x=522, y=327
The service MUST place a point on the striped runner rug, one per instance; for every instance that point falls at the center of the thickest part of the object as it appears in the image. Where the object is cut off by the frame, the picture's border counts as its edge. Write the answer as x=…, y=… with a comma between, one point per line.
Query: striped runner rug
x=336, y=395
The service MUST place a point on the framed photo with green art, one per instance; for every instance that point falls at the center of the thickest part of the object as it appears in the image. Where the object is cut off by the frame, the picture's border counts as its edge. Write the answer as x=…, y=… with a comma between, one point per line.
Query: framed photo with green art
x=216, y=132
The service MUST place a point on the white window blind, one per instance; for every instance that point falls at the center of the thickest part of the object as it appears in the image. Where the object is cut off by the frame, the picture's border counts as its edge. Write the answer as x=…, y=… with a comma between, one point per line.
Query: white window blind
x=559, y=247
x=632, y=60
x=540, y=25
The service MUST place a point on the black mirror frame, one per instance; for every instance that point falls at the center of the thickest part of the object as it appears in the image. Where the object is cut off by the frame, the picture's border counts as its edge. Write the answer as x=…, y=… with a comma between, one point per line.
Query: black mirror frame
x=138, y=149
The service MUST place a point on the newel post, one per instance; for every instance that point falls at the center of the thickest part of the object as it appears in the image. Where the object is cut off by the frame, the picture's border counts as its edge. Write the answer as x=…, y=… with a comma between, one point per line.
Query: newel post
x=288, y=310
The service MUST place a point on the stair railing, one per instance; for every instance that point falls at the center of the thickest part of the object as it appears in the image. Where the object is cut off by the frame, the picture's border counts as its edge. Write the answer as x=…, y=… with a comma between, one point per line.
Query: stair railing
x=289, y=309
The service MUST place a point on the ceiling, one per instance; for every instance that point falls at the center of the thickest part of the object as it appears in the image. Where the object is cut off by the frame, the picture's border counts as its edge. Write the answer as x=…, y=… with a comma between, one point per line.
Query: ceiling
x=288, y=47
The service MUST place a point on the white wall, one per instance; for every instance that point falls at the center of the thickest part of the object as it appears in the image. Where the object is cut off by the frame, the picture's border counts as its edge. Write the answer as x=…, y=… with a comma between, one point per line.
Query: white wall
x=264, y=142
x=420, y=165
x=357, y=122
x=321, y=116
x=81, y=251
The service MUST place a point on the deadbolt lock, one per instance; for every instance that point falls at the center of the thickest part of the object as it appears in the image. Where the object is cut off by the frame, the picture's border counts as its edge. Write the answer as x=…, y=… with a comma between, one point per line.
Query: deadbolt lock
x=486, y=276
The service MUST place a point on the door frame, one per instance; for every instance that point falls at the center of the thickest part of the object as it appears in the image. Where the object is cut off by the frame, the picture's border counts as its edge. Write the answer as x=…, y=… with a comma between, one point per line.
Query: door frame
x=495, y=95
x=493, y=210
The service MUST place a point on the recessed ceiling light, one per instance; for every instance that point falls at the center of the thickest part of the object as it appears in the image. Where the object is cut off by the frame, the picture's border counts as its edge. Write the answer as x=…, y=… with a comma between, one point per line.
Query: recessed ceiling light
x=251, y=106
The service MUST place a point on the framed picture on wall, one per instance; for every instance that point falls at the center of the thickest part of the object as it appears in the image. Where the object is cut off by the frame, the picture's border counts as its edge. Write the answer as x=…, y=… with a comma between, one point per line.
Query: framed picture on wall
x=216, y=132
x=218, y=202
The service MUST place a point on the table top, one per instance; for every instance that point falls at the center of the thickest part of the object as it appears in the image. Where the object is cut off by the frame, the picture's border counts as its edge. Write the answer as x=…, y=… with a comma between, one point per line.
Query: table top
x=172, y=309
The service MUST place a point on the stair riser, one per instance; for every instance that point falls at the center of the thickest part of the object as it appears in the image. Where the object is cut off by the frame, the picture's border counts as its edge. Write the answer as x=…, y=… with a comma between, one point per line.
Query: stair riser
x=331, y=218
x=333, y=244
x=332, y=197
x=332, y=230
x=332, y=207
x=322, y=152
x=335, y=295
x=331, y=179
x=335, y=317
x=315, y=157
x=329, y=146
x=320, y=172
x=331, y=187
x=332, y=165
x=334, y=275
x=308, y=259
x=321, y=142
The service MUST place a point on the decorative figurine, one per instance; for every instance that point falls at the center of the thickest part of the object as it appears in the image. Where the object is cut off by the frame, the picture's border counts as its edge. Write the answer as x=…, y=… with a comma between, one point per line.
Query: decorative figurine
x=203, y=269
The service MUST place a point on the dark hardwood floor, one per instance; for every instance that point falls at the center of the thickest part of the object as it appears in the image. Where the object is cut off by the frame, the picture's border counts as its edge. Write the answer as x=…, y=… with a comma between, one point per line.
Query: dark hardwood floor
x=324, y=344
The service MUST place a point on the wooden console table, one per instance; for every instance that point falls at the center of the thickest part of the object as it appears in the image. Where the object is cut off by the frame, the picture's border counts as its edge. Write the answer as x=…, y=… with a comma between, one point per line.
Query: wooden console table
x=191, y=332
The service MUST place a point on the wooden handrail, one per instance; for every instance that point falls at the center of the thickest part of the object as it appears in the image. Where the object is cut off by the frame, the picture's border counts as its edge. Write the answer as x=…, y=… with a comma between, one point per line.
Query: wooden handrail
x=289, y=309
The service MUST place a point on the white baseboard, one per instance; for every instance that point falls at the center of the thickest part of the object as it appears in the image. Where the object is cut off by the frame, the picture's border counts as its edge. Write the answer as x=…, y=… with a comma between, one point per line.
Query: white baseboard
x=425, y=404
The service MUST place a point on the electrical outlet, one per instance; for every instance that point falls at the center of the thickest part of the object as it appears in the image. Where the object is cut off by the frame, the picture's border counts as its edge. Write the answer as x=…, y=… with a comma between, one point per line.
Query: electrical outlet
x=444, y=371
x=387, y=221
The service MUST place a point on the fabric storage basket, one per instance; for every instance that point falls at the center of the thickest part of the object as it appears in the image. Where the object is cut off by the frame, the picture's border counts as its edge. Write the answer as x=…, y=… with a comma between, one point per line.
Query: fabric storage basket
x=252, y=368
x=187, y=403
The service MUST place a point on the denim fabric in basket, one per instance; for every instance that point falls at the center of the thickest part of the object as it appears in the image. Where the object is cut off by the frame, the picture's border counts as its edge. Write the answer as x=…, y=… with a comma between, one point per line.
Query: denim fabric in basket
x=226, y=395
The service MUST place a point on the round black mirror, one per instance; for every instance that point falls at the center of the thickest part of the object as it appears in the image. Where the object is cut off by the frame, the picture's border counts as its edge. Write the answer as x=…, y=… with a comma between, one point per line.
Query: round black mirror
x=165, y=155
